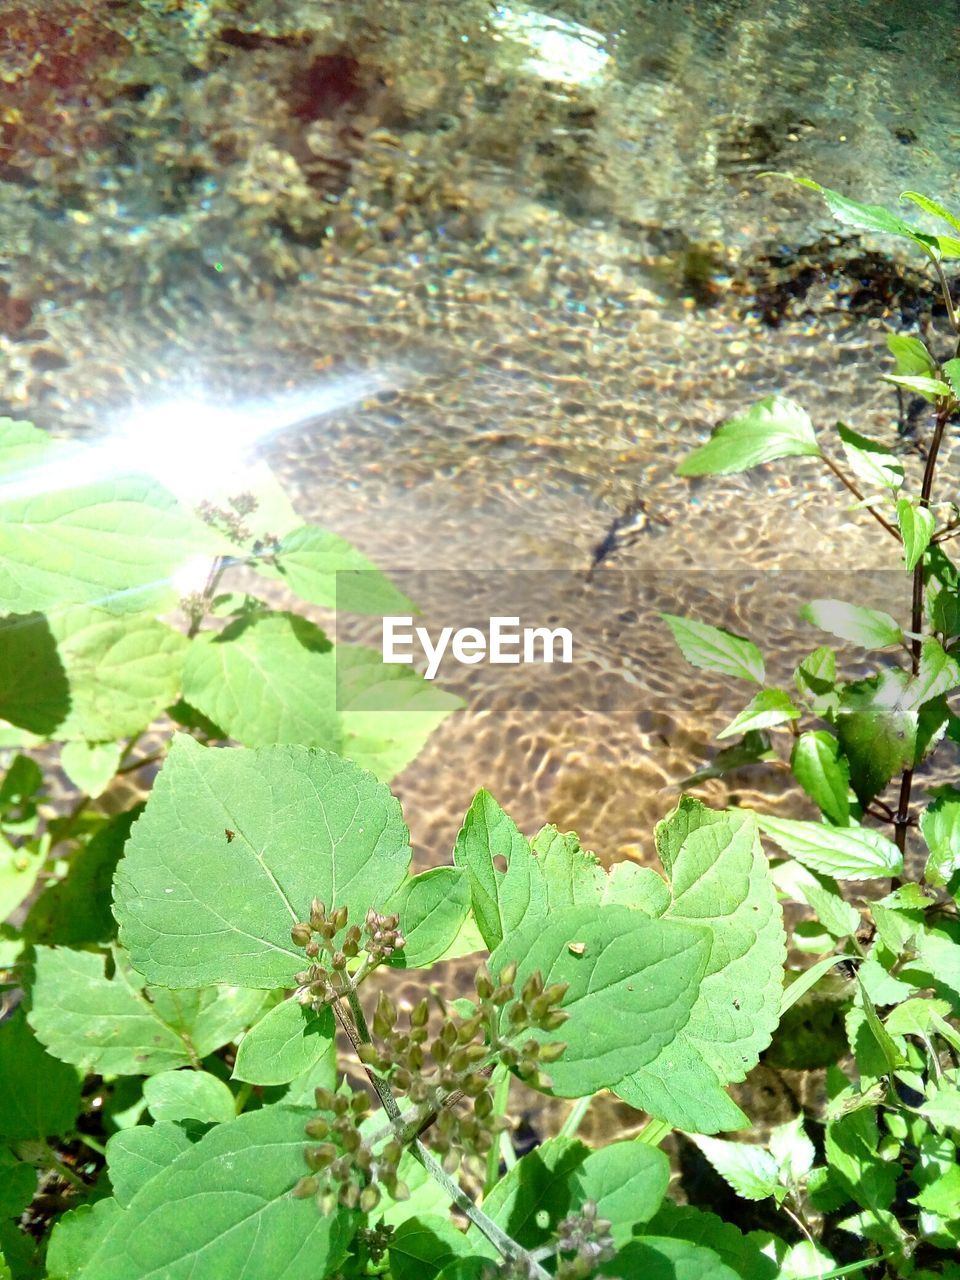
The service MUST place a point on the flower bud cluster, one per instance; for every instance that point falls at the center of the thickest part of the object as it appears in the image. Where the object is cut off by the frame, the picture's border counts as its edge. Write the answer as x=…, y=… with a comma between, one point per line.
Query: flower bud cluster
x=229, y=519
x=449, y=1065
x=344, y=1170
x=325, y=981
x=588, y=1238
x=375, y=1241
x=537, y=1007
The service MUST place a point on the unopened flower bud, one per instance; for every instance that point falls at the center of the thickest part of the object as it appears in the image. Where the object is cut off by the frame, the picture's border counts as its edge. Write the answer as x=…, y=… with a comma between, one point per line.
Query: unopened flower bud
x=483, y=983
x=552, y=1051
x=300, y=934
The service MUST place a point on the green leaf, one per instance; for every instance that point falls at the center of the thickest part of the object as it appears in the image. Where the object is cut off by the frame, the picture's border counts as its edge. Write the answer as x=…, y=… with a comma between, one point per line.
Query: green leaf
x=92, y=675
x=792, y=1149
x=720, y=881
x=18, y=1184
x=770, y=707
x=940, y=824
x=824, y=774
x=852, y=213
x=90, y=766
x=324, y=569
x=750, y=1170
x=506, y=883
x=800, y=984
x=815, y=679
x=714, y=649
x=930, y=389
x=874, y=465
x=776, y=427
x=387, y=712
x=432, y=908
x=753, y=748
x=266, y=678
x=116, y=543
x=877, y=731
x=75, y=1236
x=19, y=869
x=136, y=1155
x=196, y=906
x=223, y=1208
x=870, y=628
x=942, y=1196
x=75, y=911
x=574, y=876
x=741, y=1253
x=852, y=1144
x=533, y=1196
x=34, y=689
x=40, y=1097
x=189, y=1095
x=916, y=528
x=632, y=983
x=942, y=1109
x=836, y=915
x=932, y=207
x=659, y=1258
x=421, y=1247
x=951, y=371
x=122, y=672
x=287, y=1041
x=119, y=1026
x=938, y=674
x=911, y=355
x=846, y=853
x=627, y=1181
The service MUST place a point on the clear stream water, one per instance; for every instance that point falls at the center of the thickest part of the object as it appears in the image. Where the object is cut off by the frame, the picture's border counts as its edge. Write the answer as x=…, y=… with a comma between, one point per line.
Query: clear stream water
x=521, y=250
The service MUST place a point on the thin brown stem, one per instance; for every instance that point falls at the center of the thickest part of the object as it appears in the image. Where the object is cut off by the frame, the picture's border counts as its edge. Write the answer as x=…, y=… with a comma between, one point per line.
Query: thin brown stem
x=849, y=484
x=944, y=410
x=945, y=290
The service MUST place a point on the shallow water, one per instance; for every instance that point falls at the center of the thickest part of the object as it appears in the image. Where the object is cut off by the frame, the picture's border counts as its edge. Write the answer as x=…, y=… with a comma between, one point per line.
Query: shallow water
x=540, y=235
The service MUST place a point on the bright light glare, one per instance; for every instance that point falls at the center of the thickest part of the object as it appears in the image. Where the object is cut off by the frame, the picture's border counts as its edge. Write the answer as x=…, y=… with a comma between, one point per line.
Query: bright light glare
x=190, y=445
x=562, y=51
x=192, y=577
x=193, y=446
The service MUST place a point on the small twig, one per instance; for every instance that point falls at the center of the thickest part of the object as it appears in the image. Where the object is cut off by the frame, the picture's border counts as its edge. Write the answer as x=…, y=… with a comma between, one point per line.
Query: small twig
x=503, y=1243
x=848, y=484
x=499, y=1239
x=56, y=1165
x=945, y=290
x=134, y=765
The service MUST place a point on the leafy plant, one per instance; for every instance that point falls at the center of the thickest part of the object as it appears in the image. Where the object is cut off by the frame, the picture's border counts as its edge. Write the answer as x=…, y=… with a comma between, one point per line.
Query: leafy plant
x=887, y=1170
x=218, y=1077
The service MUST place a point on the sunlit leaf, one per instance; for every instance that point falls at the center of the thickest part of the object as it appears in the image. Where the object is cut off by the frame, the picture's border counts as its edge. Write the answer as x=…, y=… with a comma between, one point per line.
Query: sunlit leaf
x=774, y=428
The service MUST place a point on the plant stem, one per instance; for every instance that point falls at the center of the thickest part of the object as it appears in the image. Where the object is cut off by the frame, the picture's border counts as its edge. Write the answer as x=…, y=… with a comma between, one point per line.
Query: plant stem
x=575, y=1118
x=503, y=1243
x=944, y=410
x=653, y=1132
x=848, y=484
x=501, y=1100
x=945, y=290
